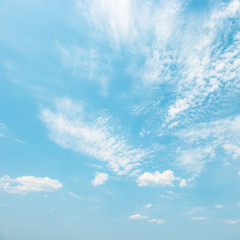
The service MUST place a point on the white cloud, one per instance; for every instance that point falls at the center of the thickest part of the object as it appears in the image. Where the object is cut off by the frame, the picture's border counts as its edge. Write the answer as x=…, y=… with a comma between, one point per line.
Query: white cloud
x=218, y=206
x=199, y=218
x=229, y=221
x=72, y=128
x=99, y=179
x=157, y=178
x=74, y=196
x=148, y=205
x=138, y=217
x=238, y=203
x=26, y=184
x=158, y=221
x=180, y=106
x=183, y=183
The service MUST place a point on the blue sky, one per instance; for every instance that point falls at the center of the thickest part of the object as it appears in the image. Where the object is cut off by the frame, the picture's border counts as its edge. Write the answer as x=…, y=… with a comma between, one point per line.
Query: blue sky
x=120, y=120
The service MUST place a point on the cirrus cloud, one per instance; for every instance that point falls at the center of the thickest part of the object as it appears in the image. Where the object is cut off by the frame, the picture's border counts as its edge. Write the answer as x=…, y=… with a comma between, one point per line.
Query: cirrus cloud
x=72, y=128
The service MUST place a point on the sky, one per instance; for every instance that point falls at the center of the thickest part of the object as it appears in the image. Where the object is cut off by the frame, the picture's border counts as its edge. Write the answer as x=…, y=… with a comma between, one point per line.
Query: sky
x=120, y=119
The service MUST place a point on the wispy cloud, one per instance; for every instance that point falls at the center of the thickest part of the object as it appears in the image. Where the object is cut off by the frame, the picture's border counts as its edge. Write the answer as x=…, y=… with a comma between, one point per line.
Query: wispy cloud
x=86, y=64
x=199, y=63
x=151, y=220
x=194, y=210
x=209, y=65
x=72, y=127
x=75, y=196
x=158, y=221
x=148, y=205
x=113, y=19
x=26, y=184
x=138, y=217
x=3, y=129
x=193, y=161
x=199, y=218
x=230, y=221
x=99, y=179
x=218, y=206
x=203, y=142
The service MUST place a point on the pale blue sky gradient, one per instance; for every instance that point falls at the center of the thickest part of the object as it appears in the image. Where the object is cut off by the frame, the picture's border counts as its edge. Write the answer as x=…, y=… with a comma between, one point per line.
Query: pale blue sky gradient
x=120, y=120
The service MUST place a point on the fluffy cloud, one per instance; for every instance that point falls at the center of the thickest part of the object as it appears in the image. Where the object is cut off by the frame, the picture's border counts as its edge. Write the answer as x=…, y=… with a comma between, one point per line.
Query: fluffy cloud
x=138, y=217
x=100, y=179
x=157, y=178
x=26, y=184
x=183, y=183
x=72, y=128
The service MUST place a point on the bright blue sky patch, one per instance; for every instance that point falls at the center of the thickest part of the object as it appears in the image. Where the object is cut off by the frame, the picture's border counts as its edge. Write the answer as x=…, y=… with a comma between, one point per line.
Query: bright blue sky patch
x=120, y=120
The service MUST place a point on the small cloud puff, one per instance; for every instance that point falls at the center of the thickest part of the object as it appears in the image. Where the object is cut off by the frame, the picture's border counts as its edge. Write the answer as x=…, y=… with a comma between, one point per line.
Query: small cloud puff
x=218, y=206
x=183, y=183
x=99, y=179
x=157, y=178
x=148, y=205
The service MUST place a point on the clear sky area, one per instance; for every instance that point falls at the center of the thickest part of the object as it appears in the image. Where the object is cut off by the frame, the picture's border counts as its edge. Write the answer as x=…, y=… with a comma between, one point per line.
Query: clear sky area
x=120, y=120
